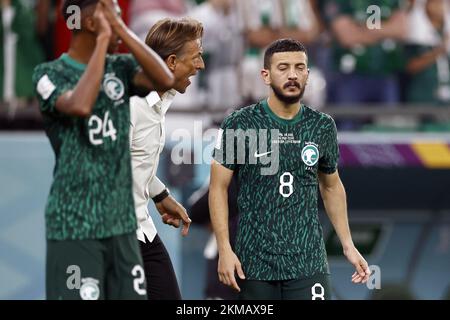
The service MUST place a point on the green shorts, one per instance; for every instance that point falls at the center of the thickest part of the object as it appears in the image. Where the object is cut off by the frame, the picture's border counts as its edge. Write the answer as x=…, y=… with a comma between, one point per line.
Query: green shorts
x=108, y=268
x=317, y=287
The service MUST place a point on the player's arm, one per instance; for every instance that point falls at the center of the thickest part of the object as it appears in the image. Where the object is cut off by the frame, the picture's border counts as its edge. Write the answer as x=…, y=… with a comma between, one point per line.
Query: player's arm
x=264, y=36
x=261, y=37
x=155, y=75
x=334, y=198
x=218, y=208
x=349, y=33
x=80, y=101
x=423, y=61
x=305, y=36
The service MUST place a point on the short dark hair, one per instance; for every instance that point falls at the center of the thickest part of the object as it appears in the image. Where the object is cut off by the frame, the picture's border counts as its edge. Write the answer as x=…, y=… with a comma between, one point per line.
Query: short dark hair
x=168, y=36
x=282, y=45
x=80, y=3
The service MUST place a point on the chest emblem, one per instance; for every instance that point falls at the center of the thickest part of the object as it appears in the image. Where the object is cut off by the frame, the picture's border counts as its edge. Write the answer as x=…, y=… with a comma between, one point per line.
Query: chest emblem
x=113, y=87
x=310, y=155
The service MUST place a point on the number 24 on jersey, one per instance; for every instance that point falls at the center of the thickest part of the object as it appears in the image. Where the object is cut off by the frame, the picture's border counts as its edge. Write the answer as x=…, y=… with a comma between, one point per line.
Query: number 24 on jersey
x=99, y=129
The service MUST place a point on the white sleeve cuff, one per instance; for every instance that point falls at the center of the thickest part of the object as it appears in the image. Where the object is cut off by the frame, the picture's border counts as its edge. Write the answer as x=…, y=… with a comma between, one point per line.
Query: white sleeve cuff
x=155, y=187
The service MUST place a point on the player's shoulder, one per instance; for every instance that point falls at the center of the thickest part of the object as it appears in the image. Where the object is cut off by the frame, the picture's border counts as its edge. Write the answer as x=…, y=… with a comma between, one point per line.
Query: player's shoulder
x=317, y=116
x=54, y=67
x=243, y=114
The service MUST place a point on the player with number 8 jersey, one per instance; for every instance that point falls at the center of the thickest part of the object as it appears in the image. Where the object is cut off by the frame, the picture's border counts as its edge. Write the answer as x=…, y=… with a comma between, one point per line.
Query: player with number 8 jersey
x=278, y=212
x=283, y=153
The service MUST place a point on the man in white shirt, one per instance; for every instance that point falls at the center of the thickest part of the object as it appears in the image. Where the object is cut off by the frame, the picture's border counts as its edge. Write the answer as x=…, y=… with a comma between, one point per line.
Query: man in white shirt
x=178, y=43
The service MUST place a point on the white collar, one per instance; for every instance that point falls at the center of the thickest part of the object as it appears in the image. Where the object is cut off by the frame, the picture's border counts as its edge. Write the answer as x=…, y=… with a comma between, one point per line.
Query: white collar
x=161, y=103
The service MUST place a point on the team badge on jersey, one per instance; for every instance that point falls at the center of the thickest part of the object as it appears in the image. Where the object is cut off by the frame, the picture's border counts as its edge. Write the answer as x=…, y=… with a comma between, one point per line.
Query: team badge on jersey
x=310, y=155
x=89, y=290
x=113, y=87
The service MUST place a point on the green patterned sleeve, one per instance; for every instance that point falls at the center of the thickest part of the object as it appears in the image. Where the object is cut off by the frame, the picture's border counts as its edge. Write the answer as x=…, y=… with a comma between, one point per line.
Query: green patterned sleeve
x=329, y=158
x=49, y=85
x=225, y=148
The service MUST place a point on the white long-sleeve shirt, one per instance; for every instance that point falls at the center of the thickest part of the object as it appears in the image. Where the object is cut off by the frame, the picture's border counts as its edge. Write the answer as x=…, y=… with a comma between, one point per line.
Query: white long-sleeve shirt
x=147, y=137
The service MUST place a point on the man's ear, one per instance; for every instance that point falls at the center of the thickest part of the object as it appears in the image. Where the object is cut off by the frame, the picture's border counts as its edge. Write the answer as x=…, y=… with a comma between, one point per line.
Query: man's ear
x=87, y=18
x=88, y=24
x=265, y=74
x=171, y=62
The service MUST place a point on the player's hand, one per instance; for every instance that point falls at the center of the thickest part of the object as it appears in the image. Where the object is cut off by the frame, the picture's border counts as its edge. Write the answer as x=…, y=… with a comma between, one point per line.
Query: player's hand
x=102, y=26
x=174, y=214
x=112, y=13
x=362, y=272
x=228, y=264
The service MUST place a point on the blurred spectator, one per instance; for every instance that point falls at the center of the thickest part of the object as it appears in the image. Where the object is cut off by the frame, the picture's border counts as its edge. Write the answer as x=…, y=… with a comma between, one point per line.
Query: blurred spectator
x=223, y=51
x=19, y=54
x=427, y=52
x=268, y=20
x=62, y=33
x=144, y=13
x=45, y=26
x=365, y=60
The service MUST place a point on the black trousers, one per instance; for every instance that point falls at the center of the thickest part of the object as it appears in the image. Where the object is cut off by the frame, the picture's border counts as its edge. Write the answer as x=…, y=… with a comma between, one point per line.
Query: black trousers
x=161, y=279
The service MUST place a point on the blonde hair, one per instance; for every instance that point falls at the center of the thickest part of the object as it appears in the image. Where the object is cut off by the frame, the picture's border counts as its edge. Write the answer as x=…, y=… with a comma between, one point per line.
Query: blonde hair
x=168, y=36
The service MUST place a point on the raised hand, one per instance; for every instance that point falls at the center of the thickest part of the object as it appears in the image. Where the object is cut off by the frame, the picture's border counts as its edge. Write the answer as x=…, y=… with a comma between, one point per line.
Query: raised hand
x=102, y=26
x=112, y=13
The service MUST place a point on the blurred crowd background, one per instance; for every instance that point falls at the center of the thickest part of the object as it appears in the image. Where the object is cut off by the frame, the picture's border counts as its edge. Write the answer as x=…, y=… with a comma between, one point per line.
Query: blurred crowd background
x=386, y=82
x=390, y=73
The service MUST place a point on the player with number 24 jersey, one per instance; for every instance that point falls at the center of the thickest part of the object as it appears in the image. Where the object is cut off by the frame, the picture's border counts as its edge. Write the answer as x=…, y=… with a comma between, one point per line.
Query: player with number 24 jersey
x=92, y=250
x=91, y=195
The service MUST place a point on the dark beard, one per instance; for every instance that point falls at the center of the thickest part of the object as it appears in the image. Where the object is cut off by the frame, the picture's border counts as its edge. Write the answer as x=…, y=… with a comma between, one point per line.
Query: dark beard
x=287, y=99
